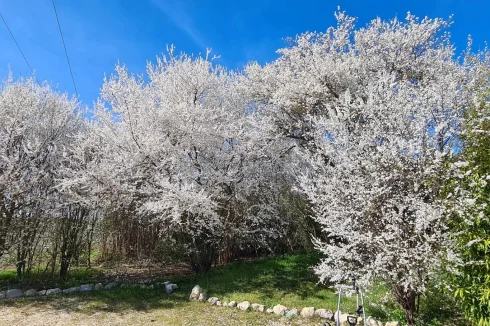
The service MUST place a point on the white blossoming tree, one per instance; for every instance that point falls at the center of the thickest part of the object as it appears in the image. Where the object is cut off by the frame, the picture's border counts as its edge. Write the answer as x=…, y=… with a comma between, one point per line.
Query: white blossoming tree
x=38, y=128
x=183, y=149
x=377, y=111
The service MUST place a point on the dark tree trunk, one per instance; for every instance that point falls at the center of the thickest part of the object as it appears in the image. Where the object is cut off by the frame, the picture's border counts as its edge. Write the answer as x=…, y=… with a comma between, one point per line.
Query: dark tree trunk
x=64, y=266
x=407, y=300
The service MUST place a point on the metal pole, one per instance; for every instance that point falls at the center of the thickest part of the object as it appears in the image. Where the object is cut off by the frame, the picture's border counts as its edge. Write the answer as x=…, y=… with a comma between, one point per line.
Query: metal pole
x=363, y=308
x=337, y=320
x=357, y=297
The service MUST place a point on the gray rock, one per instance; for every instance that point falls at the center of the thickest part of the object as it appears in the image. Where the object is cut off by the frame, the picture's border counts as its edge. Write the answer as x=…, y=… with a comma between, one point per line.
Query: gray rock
x=110, y=286
x=292, y=313
x=258, y=307
x=270, y=311
x=86, y=287
x=30, y=293
x=307, y=312
x=2, y=295
x=213, y=300
x=232, y=304
x=13, y=293
x=72, y=290
x=279, y=310
x=53, y=291
x=218, y=303
x=225, y=304
x=41, y=293
x=342, y=318
x=98, y=286
x=202, y=297
x=169, y=288
x=370, y=321
x=324, y=313
x=195, y=293
x=392, y=323
x=245, y=305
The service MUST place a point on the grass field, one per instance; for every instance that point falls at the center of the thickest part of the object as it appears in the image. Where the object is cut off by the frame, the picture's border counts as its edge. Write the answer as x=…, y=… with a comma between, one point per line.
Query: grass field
x=288, y=280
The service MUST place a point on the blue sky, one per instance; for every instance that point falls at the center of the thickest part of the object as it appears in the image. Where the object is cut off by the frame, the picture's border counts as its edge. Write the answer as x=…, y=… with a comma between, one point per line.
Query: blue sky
x=99, y=33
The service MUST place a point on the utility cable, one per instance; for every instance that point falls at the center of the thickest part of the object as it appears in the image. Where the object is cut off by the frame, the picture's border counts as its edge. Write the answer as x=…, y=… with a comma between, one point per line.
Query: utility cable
x=18, y=47
x=64, y=46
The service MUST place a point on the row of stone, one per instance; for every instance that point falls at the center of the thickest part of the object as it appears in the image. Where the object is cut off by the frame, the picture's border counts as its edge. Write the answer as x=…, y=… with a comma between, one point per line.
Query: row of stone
x=308, y=312
x=16, y=293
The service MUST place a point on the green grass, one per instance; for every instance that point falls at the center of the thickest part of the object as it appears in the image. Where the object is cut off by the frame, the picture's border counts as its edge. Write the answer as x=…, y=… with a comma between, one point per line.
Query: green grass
x=40, y=280
x=288, y=280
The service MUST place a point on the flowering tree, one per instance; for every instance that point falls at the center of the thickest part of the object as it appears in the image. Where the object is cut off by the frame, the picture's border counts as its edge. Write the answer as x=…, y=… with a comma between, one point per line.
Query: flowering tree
x=37, y=131
x=184, y=150
x=377, y=110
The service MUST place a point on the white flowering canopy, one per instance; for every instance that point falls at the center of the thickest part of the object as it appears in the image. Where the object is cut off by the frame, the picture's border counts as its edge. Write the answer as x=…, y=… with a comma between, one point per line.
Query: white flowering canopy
x=378, y=110
x=182, y=147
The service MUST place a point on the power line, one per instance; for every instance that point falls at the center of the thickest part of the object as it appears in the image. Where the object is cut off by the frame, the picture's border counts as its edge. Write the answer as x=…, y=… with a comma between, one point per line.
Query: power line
x=18, y=47
x=64, y=46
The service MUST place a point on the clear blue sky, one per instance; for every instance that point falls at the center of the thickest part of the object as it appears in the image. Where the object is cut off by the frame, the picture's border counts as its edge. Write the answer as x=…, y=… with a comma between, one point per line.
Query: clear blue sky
x=99, y=33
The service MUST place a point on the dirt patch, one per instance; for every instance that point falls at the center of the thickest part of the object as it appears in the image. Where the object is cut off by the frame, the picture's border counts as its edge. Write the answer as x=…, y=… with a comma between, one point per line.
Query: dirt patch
x=138, y=273
x=79, y=312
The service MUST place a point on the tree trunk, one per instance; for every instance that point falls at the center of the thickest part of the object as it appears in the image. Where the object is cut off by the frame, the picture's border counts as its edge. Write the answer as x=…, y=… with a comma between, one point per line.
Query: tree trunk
x=65, y=264
x=409, y=314
x=407, y=300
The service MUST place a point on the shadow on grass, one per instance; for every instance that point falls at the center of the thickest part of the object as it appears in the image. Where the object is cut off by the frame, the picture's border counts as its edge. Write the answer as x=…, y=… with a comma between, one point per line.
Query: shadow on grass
x=286, y=273
x=287, y=279
x=40, y=280
x=118, y=301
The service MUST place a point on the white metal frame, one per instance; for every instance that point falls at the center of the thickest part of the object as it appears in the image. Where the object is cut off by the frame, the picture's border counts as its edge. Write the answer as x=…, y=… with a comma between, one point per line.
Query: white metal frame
x=358, y=292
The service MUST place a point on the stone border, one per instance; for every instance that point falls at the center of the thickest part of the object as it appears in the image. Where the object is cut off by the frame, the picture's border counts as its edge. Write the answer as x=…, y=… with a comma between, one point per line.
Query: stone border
x=17, y=293
x=308, y=312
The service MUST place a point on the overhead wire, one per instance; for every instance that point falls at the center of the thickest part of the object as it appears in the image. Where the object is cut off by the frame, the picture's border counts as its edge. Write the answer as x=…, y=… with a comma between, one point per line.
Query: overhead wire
x=18, y=47
x=64, y=46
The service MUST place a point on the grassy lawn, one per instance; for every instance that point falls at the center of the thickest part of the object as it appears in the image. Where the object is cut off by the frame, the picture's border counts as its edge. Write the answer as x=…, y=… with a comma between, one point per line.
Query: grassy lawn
x=288, y=280
x=39, y=280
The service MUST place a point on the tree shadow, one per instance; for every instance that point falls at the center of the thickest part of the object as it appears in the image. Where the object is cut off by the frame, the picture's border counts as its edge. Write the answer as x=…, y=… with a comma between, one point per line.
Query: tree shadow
x=117, y=301
x=269, y=279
